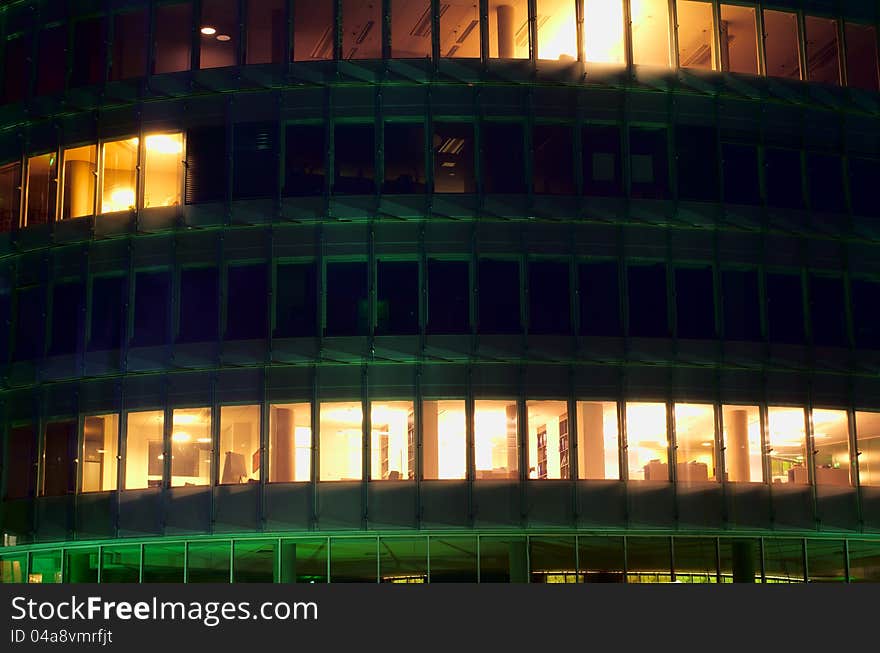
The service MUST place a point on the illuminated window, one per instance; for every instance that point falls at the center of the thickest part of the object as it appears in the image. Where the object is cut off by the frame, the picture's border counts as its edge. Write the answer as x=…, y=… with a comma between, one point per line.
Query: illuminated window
x=823, y=54
x=392, y=441
x=191, y=447
x=787, y=445
x=218, y=34
x=10, y=196
x=781, y=56
x=647, y=442
x=739, y=39
x=42, y=189
x=495, y=442
x=444, y=448
x=454, y=158
x=163, y=169
x=742, y=444
x=695, y=443
x=341, y=441
x=290, y=443
x=460, y=29
x=239, y=456
x=266, y=31
x=144, y=456
x=650, y=32
x=173, y=39
x=598, y=440
x=868, y=447
x=313, y=30
x=100, y=435
x=696, y=45
x=557, y=30
x=410, y=29
x=80, y=173
x=603, y=31
x=549, y=440
x=861, y=57
x=831, y=447
x=361, y=29
x=45, y=567
x=129, y=45
x=509, y=29
x=59, y=459
x=119, y=175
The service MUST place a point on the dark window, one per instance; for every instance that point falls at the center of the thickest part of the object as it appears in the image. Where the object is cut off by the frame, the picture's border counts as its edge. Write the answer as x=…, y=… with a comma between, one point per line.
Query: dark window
x=647, y=300
x=861, y=57
x=42, y=189
x=347, y=304
x=601, y=160
x=10, y=196
x=17, y=70
x=865, y=300
x=649, y=174
x=498, y=293
x=152, y=298
x=742, y=183
x=218, y=47
x=825, y=182
x=304, y=160
x=397, y=306
x=503, y=158
x=296, y=300
x=266, y=31
x=554, y=159
x=783, y=178
x=549, y=298
x=742, y=305
x=88, y=52
x=453, y=158
x=5, y=323
x=29, y=323
x=129, y=45
x=173, y=38
x=247, y=305
x=599, y=298
x=863, y=175
x=785, y=308
x=697, y=158
x=448, y=297
x=21, y=476
x=68, y=300
x=823, y=56
x=206, y=165
x=404, y=158
x=108, y=313
x=51, y=60
x=199, y=305
x=355, y=159
x=59, y=470
x=828, y=311
x=694, y=303
x=254, y=160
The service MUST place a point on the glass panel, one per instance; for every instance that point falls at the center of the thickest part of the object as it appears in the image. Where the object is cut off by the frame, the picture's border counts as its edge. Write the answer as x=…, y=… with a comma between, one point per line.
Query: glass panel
x=552, y=560
x=696, y=47
x=119, y=182
x=10, y=196
x=353, y=560
x=695, y=442
x=823, y=55
x=107, y=319
x=253, y=561
x=29, y=322
x=825, y=182
x=218, y=34
x=397, y=297
x=143, y=450
x=45, y=567
x=346, y=302
x=601, y=559
x=51, y=60
x=787, y=445
x=152, y=298
x=191, y=448
x=392, y=441
x=81, y=565
x=549, y=440
x=129, y=45
x=42, y=189
x=864, y=562
x=650, y=32
x=503, y=560
x=549, y=298
x=296, y=297
x=601, y=160
x=99, y=464
x=742, y=444
x=454, y=158
x=361, y=29
x=831, y=447
x=864, y=298
x=404, y=158
x=247, y=310
x=741, y=177
x=742, y=309
x=498, y=296
x=17, y=69
x=207, y=562
x=290, y=443
x=553, y=172
x=861, y=57
x=740, y=560
x=448, y=297
x=460, y=29
x=695, y=146
x=21, y=478
x=739, y=39
x=695, y=303
x=199, y=305
x=781, y=58
x=163, y=563
x=603, y=31
x=783, y=560
x=266, y=31
x=557, y=32
x=403, y=560
x=206, y=165
x=599, y=297
x=304, y=561
x=785, y=308
x=410, y=29
x=648, y=560
x=444, y=447
x=495, y=441
x=80, y=173
x=503, y=158
x=355, y=162
x=313, y=30
x=304, y=160
x=696, y=560
x=509, y=29
x=239, y=444
x=341, y=443
x=649, y=163
x=826, y=560
x=59, y=459
x=598, y=455
x=647, y=443
x=173, y=38
x=647, y=300
x=868, y=434
x=13, y=568
x=453, y=559
x=163, y=169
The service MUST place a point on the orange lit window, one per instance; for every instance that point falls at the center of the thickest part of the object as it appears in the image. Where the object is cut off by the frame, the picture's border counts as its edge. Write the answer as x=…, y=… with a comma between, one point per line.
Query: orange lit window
x=509, y=29
x=119, y=170
x=341, y=444
x=603, y=31
x=650, y=32
x=444, y=452
x=696, y=45
x=647, y=442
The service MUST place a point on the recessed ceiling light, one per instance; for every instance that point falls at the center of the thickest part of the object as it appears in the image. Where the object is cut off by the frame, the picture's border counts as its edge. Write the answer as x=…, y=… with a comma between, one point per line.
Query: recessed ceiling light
x=208, y=31
x=223, y=37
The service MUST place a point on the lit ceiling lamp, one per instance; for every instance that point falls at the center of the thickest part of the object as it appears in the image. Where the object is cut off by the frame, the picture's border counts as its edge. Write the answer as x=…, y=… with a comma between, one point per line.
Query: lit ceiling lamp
x=165, y=143
x=224, y=37
x=207, y=30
